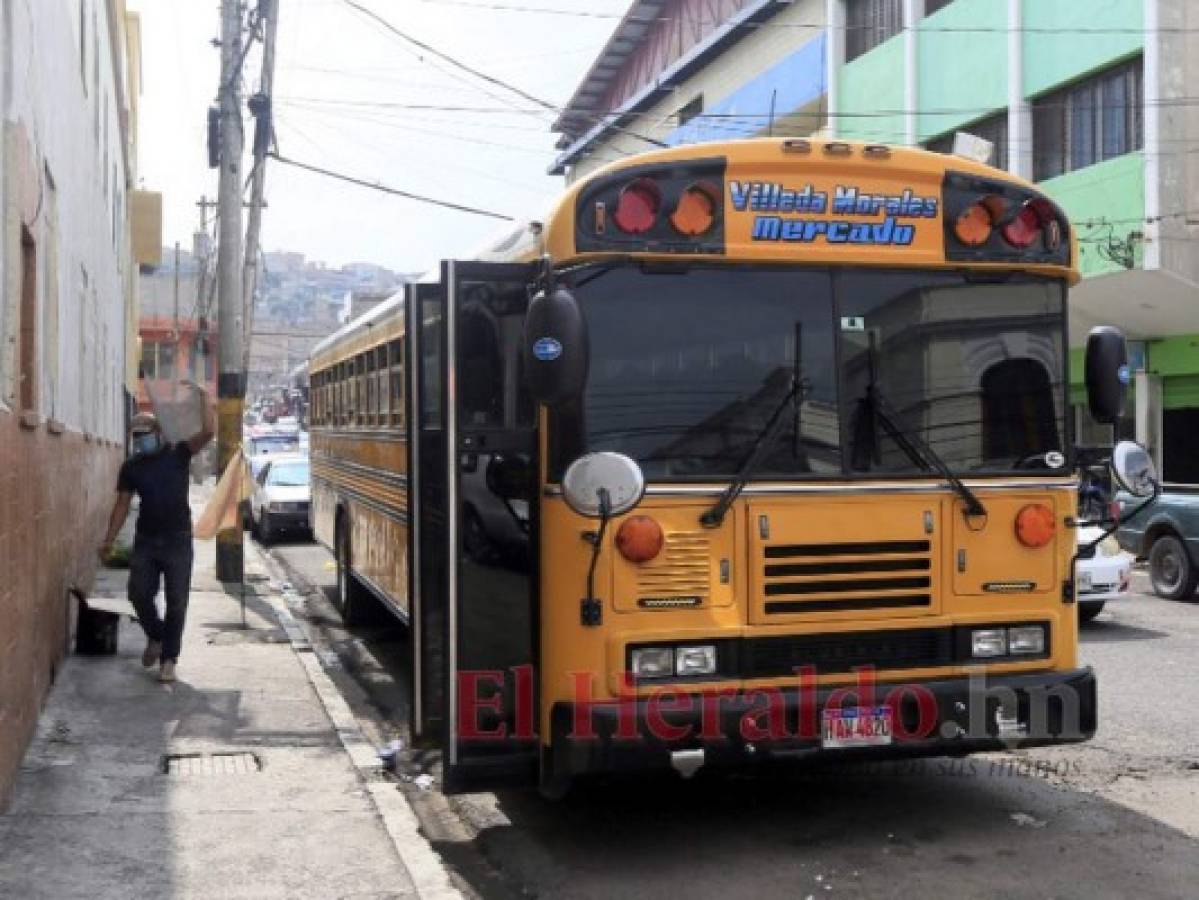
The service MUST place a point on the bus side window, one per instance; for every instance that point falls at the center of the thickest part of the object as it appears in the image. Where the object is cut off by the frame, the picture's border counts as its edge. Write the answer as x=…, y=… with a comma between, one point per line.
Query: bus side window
x=372, y=393
x=397, y=383
x=359, y=388
x=382, y=388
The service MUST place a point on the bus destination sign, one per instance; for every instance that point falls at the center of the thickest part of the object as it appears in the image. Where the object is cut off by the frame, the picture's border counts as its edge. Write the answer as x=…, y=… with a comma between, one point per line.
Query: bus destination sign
x=807, y=215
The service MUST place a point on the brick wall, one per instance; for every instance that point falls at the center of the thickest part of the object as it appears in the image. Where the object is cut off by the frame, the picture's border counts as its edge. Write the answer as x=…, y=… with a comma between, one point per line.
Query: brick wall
x=55, y=493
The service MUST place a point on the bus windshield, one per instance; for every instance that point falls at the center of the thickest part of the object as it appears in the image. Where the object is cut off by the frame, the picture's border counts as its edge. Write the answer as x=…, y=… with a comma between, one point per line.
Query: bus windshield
x=688, y=366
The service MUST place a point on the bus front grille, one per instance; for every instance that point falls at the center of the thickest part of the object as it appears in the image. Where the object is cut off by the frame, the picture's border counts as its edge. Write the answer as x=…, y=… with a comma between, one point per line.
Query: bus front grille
x=833, y=577
x=913, y=648
x=679, y=576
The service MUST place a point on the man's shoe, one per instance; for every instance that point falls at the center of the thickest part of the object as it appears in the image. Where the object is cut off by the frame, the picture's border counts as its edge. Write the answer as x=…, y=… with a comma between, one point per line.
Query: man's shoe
x=166, y=673
x=152, y=653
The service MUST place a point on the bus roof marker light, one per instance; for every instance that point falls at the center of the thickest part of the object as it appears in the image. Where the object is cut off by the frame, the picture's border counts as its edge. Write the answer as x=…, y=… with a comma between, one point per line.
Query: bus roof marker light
x=837, y=148
x=974, y=224
x=638, y=206
x=1035, y=216
x=876, y=151
x=797, y=145
x=696, y=210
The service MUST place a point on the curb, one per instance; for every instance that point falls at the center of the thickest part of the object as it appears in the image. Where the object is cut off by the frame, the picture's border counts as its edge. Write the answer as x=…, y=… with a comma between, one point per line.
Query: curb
x=430, y=878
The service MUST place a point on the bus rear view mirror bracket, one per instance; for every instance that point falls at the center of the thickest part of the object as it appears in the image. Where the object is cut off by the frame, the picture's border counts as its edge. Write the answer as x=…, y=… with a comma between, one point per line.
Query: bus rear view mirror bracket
x=556, y=347
x=1106, y=373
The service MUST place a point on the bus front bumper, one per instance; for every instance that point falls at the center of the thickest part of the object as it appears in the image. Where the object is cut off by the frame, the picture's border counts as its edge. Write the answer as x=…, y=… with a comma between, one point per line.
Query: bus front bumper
x=950, y=717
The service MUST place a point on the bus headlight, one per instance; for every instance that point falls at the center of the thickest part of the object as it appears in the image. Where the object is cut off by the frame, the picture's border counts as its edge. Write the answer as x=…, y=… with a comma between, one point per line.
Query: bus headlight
x=699, y=660
x=987, y=642
x=652, y=662
x=1026, y=639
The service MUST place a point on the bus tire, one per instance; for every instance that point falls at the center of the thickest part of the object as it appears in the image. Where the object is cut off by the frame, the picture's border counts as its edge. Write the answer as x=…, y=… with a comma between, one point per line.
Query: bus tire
x=351, y=598
x=1171, y=570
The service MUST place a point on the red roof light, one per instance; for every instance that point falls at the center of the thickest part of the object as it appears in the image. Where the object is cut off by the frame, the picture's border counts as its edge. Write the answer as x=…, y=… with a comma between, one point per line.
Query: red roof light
x=638, y=207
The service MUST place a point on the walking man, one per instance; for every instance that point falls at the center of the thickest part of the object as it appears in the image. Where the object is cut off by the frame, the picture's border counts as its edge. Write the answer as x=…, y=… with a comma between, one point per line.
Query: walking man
x=157, y=471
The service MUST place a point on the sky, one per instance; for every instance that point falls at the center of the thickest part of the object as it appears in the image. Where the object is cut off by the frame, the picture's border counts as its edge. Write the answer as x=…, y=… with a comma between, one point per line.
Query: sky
x=344, y=90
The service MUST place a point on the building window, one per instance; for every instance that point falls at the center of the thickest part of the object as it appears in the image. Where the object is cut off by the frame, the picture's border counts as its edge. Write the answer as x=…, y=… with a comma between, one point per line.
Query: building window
x=992, y=128
x=932, y=6
x=691, y=109
x=870, y=22
x=27, y=370
x=158, y=360
x=1089, y=121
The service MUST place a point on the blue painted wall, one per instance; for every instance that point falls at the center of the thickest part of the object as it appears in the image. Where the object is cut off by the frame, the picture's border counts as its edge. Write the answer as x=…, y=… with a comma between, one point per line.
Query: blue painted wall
x=798, y=79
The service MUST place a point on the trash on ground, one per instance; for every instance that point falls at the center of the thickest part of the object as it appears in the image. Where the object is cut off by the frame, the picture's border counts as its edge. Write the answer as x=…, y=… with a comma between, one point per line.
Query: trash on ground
x=1026, y=821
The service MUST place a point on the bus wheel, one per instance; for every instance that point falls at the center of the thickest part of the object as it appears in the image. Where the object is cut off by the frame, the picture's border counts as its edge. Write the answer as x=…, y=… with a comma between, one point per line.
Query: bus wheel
x=351, y=596
x=1170, y=569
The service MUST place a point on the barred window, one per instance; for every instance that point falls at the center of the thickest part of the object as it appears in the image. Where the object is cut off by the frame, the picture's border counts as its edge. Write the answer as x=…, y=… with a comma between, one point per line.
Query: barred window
x=1098, y=118
x=869, y=23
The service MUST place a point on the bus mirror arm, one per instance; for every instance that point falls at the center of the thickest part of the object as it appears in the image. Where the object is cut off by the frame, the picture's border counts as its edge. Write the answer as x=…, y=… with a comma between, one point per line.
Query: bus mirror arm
x=591, y=610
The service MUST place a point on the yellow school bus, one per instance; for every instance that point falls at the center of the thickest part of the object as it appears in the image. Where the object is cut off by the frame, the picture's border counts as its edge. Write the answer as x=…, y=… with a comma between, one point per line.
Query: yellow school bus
x=749, y=451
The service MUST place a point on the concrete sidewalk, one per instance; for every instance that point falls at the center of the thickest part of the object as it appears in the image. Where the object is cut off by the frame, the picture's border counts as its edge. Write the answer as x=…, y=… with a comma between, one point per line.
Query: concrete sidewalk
x=233, y=782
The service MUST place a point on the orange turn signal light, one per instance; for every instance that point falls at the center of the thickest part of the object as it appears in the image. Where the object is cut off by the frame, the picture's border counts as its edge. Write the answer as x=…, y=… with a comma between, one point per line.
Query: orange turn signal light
x=1035, y=525
x=696, y=210
x=976, y=222
x=639, y=539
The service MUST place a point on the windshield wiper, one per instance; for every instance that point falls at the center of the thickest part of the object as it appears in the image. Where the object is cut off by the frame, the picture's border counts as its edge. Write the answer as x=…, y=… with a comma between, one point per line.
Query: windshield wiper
x=918, y=450
x=714, y=517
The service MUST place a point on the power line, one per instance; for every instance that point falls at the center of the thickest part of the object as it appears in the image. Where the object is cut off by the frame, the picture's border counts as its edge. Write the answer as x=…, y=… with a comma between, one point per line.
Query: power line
x=473, y=210
x=483, y=76
x=804, y=26
x=453, y=61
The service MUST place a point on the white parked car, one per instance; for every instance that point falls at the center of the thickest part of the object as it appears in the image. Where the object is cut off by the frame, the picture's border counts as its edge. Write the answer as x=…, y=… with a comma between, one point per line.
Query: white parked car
x=1104, y=577
x=280, y=498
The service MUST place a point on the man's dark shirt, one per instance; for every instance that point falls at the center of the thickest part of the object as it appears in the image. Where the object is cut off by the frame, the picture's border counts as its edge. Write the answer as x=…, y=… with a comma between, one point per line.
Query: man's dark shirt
x=160, y=482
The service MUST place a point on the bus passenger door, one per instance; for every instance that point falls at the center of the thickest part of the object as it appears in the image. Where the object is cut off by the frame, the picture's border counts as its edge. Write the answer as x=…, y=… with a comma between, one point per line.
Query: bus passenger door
x=425, y=357
x=485, y=560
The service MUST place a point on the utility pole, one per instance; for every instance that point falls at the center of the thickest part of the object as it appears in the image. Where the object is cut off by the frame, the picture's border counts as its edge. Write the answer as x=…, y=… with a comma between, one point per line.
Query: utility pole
x=262, y=106
x=175, y=324
x=231, y=384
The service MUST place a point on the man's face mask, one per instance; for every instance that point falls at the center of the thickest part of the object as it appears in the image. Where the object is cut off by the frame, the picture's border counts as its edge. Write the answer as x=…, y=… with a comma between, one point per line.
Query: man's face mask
x=146, y=443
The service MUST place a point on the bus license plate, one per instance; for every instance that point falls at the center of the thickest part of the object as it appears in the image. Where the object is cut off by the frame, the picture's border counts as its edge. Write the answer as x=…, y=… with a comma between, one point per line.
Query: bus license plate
x=856, y=726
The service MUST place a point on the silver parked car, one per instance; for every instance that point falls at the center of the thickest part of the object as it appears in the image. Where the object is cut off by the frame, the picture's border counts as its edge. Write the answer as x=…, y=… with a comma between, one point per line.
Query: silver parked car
x=279, y=501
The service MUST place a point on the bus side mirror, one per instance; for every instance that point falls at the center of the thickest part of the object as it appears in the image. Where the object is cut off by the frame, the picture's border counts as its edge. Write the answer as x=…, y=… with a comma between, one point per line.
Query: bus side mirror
x=1133, y=469
x=556, y=348
x=1106, y=373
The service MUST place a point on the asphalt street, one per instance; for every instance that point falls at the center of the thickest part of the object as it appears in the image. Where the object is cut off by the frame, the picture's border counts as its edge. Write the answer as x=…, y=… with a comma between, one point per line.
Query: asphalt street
x=1116, y=817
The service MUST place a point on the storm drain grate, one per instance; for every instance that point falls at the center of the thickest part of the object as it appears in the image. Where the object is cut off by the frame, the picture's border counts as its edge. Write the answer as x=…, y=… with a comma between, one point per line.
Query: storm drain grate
x=210, y=765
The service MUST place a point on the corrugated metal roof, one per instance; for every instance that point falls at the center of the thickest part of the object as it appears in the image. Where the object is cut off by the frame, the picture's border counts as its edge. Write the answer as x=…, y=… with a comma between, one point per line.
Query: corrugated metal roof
x=627, y=37
x=596, y=121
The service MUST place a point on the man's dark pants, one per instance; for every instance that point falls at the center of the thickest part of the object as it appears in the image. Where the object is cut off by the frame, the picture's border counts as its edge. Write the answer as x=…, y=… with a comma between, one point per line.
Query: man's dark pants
x=168, y=557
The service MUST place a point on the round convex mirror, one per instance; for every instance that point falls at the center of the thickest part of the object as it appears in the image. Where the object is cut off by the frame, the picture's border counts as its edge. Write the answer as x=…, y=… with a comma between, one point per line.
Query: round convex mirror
x=1133, y=469
x=615, y=472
